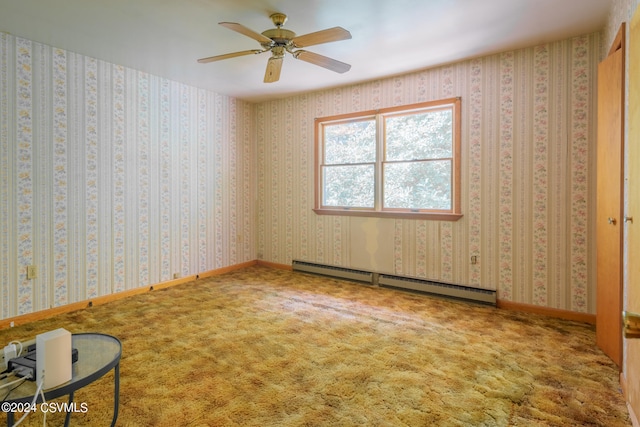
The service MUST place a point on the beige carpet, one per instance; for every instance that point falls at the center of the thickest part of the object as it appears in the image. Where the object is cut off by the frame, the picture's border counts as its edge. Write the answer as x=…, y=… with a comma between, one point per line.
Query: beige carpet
x=265, y=347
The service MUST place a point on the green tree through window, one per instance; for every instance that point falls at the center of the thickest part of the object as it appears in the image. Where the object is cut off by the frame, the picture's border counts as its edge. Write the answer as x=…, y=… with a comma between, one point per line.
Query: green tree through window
x=401, y=161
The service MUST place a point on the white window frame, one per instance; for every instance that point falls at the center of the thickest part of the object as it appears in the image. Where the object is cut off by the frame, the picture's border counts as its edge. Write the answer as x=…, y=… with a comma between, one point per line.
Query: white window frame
x=452, y=214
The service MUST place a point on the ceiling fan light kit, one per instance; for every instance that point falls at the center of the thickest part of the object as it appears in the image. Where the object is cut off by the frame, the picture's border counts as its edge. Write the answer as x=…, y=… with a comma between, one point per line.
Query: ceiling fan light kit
x=280, y=40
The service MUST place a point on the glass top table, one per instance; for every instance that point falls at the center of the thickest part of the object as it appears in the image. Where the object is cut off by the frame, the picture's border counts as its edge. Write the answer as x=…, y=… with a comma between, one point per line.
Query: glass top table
x=97, y=355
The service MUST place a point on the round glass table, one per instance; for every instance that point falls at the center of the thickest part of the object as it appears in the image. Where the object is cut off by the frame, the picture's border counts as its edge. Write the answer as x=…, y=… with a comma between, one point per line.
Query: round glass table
x=97, y=355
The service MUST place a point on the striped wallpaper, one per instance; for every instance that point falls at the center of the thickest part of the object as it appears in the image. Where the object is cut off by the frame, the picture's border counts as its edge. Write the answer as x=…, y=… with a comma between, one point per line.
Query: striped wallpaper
x=528, y=147
x=113, y=179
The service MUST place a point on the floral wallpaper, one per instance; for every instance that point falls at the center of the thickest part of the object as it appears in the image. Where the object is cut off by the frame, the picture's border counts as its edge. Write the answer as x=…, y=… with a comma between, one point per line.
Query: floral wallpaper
x=528, y=147
x=112, y=179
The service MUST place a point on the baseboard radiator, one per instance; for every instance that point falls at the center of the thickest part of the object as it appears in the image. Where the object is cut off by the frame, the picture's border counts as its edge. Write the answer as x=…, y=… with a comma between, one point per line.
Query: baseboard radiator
x=482, y=296
x=339, y=272
x=477, y=295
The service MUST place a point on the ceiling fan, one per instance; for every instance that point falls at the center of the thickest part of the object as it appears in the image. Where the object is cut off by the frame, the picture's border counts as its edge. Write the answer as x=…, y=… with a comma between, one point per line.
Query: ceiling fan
x=279, y=40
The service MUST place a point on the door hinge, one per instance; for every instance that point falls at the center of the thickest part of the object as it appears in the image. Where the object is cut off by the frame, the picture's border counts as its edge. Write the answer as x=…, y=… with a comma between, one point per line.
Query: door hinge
x=631, y=324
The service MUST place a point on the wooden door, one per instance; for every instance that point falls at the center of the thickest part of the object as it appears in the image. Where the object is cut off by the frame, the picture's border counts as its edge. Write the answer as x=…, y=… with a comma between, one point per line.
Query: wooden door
x=609, y=201
x=632, y=303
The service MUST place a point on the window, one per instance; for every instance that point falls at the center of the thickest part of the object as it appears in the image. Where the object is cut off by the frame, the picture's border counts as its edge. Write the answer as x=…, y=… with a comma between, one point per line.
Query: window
x=396, y=162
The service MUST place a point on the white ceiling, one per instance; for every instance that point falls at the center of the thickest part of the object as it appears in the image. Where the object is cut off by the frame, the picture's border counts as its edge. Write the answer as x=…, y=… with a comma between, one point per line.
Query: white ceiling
x=166, y=37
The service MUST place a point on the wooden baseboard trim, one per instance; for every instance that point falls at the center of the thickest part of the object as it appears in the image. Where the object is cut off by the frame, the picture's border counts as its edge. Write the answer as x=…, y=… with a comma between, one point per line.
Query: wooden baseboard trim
x=275, y=265
x=633, y=416
x=81, y=305
x=507, y=305
x=547, y=311
x=224, y=270
x=623, y=387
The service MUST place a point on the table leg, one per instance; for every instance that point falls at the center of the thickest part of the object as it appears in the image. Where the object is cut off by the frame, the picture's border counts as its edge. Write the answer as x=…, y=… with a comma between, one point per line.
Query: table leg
x=67, y=418
x=9, y=419
x=116, y=393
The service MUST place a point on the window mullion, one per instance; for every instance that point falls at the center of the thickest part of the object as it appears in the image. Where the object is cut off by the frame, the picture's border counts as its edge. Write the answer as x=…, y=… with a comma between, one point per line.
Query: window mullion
x=379, y=176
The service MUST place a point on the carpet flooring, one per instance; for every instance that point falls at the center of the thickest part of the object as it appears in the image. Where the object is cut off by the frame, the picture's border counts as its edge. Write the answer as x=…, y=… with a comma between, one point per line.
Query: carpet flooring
x=267, y=347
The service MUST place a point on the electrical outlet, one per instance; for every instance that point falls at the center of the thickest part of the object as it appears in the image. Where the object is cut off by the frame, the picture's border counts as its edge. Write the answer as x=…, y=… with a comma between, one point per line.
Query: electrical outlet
x=474, y=259
x=176, y=275
x=32, y=272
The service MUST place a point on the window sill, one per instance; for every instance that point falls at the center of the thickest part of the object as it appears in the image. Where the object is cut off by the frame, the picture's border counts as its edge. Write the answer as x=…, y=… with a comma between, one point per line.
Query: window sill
x=432, y=216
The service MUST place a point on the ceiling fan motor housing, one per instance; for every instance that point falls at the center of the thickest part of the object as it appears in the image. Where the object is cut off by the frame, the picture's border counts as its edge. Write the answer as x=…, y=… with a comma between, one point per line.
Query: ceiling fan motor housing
x=280, y=37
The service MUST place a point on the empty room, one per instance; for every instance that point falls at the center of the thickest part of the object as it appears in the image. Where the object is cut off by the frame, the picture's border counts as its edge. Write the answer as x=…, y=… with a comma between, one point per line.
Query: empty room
x=319, y=212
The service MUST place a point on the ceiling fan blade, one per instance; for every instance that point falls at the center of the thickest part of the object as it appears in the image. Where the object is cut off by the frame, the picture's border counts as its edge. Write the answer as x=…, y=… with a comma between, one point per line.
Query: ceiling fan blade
x=325, y=36
x=274, y=66
x=323, y=61
x=239, y=28
x=229, y=55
